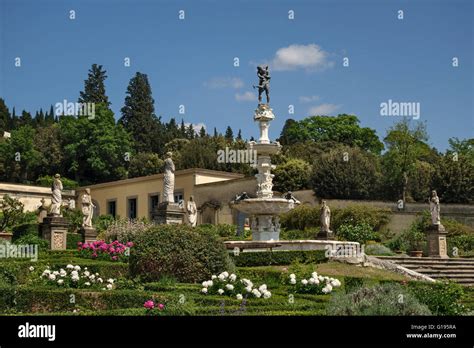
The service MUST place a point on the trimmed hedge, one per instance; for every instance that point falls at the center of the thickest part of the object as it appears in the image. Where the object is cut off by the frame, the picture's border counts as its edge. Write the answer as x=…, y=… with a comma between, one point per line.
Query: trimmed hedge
x=23, y=230
x=276, y=258
x=178, y=251
x=40, y=300
x=72, y=240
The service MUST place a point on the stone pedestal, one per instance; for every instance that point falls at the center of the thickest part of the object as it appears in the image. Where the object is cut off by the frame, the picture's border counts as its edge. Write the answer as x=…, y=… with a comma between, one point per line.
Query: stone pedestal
x=437, y=244
x=54, y=230
x=168, y=213
x=325, y=235
x=6, y=236
x=89, y=234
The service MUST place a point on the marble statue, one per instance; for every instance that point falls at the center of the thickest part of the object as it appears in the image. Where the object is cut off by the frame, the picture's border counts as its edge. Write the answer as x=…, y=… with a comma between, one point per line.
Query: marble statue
x=325, y=215
x=87, y=209
x=192, y=211
x=42, y=210
x=56, y=198
x=263, y=82
x=71, y=205
x=434, y=208
x=168, y=181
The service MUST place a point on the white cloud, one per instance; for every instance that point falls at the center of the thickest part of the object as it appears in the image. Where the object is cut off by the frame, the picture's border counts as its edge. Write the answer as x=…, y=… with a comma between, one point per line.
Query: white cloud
x=308, y=99
x=323, y=109
x=197, y=127
x=224, y=82
x=246, y=96
x=309, y=57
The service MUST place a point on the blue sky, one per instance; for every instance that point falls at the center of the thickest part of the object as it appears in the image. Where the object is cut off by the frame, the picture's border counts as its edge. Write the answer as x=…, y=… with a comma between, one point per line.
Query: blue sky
x=191, y=61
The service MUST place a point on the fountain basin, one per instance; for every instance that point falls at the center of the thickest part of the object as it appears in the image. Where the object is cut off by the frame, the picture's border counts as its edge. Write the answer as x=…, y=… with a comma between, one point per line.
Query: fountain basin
x=264, y=206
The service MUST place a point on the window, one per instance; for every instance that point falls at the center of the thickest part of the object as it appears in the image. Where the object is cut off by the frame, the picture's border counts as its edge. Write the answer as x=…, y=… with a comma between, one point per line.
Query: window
x=178, y=196
x=112, y=208
x=153, y=200
x=132, y=208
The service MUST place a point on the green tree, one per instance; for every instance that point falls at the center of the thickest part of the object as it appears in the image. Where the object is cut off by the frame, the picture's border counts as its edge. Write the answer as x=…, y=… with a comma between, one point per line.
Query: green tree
x=202, y=132
x=19, y=156
x=454, y=178
x=4, y=117
x=406, y=145
x=229, y=135
x=143, y=164
x=347, y=173
x=292, y=175
x=94, y=87
x=96, y=149
x=342, y=129
x=11, y=212
x=138, y=114
x=47, y=142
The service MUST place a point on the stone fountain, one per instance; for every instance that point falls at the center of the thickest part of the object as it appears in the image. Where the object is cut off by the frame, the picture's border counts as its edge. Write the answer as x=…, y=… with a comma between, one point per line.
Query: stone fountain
x=264, y=210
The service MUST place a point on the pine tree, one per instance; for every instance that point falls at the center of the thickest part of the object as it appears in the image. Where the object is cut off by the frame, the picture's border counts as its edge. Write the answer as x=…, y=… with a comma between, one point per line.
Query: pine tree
x=229, y=135
x=138, y=114
x=202, y=132
x=239, y=135
x=183, y=129
x=4, y=117
x=215, y=132
x=13, y=120
x=94, y=87
x=25, y=119
x=49, y=118
x=190, y=131
x=39, y=118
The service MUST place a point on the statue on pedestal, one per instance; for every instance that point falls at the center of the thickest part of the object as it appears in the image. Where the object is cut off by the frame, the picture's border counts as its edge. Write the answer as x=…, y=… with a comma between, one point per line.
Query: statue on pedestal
x=192, y=211
x=87, y=208
x=434, y=208
x=263, y=82
x=325, y=217
x=168, y=181
x=56, y=199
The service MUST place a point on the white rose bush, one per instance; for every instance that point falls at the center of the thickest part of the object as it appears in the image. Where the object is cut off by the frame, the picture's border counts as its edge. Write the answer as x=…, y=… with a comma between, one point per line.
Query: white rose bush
x=74, y=277
x=226, y=284
x=315, y=284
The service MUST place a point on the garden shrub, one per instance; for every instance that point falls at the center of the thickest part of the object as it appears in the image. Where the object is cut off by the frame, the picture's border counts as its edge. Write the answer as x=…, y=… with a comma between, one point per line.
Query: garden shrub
x=386, y=299
x=24, y=229
x=376, y=218
x=124, y=230
x=266, y=258
x=31, y=238
x=442, y=298
x=74, y=218
x=304, y=217
x=361, y=232
x=352, y=284
x=72, y=239
x=309, y=233
x=224, y=231
x=300, y=218
x=464, y=244
x=378, y=249
x=178, y=251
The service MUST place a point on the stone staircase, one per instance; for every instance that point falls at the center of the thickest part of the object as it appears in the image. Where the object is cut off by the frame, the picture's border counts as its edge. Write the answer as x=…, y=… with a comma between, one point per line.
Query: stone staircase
x=459, y=270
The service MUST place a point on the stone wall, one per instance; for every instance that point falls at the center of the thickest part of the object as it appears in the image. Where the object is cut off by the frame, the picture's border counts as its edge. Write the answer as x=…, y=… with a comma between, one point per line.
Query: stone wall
x=30, y=195
x=401, y=219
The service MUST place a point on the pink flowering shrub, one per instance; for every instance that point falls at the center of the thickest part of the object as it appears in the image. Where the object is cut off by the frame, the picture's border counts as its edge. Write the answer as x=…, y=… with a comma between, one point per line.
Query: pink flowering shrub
x=114, y=251
x=150, y=306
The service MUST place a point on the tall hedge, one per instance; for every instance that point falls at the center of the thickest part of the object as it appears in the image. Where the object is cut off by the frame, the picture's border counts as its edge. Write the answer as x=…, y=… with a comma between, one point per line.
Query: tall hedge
x=180, y=252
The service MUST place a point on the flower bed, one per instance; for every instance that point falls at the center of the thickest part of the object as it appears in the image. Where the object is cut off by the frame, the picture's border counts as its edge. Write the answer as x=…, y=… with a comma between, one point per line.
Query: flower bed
x=228, y=284
x=316, y=284
x=74, y=277
x=114, y=251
